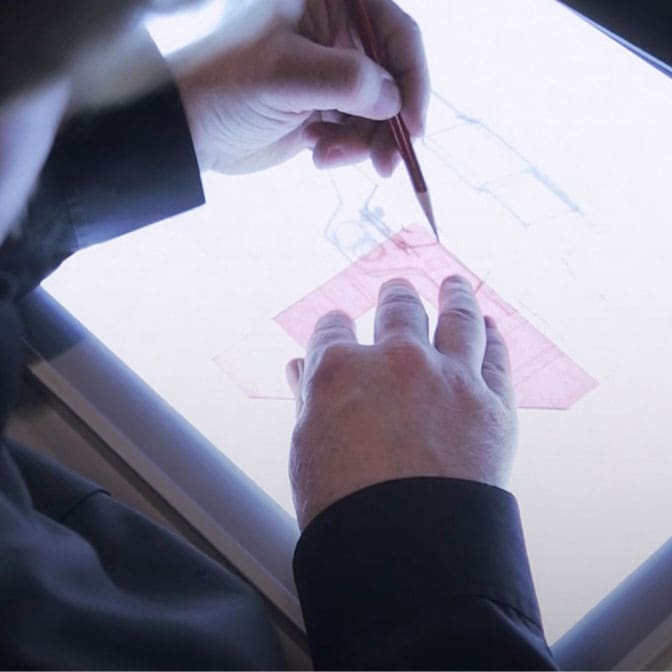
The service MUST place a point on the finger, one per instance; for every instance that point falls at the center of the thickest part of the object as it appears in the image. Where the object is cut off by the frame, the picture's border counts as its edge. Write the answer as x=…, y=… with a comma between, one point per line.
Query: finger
x=460, y=331
x=384, y=153
x=294, y=373
x=308, y=76
x=341, y=144
x=335, y=326
x=405, y=59
x=331, y=329
x=351, y=142
x=399, y=313
x=496, y=369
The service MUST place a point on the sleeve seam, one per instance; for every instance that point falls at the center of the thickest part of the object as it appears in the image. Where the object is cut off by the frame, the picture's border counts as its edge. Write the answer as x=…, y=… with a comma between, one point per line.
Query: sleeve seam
x=508, y=605
x=82, y=500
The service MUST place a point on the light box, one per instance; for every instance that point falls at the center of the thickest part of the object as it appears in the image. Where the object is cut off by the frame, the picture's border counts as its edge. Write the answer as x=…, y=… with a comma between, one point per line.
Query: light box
x=547, y=154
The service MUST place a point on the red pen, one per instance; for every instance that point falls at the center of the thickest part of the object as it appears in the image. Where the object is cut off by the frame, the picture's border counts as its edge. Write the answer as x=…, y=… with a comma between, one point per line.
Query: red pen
x=362, y=21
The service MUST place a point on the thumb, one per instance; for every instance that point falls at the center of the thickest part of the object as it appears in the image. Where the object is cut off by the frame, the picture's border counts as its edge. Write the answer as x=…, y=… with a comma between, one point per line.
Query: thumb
x=314, y=77
x=294, y=373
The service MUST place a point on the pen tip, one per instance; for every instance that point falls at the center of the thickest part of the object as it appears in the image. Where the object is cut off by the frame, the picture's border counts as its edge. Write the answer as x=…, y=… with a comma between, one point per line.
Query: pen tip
x=426, y=204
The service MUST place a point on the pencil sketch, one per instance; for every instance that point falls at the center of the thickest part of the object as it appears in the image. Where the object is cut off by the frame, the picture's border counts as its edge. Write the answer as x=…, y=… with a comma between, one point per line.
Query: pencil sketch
x=477, y=155
x=377, y=247
x=489, y=164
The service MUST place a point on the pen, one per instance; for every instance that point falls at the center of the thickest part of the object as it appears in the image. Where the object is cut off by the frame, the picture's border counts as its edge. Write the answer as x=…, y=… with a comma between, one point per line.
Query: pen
x=362, y=21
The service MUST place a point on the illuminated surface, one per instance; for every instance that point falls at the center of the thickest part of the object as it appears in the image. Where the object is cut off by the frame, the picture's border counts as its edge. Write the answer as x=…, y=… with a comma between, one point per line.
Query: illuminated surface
x=547, y=156
x=543, y=376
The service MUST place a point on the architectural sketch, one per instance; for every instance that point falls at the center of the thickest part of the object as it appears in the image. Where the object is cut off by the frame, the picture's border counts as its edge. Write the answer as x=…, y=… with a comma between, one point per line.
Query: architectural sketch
x=487, y=163
x=477, y=155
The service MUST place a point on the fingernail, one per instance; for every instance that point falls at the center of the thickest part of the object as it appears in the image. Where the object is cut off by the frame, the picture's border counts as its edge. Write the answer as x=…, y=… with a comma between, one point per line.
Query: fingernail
x=397, y=285
x=457, y=279
x=389, y=99
x=395, y=160
x=293, y=372
x=331, y=156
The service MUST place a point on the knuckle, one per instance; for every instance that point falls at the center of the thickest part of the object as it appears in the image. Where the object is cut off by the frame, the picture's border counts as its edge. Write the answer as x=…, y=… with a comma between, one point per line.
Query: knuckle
x=407, y=28
x=496, y=369
x=406, y=357
x=496, y=413
x=463, y=384
x=412, y=27
x=400, y=296
x=332, y=362
x=333, y=356
x=474, y=398
x=355, y=76
x=461, y=313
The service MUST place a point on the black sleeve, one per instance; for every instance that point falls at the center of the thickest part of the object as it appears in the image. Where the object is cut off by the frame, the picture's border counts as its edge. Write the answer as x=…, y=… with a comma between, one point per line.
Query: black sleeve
x=108, y=173
x=89, y=584
x=421, y=573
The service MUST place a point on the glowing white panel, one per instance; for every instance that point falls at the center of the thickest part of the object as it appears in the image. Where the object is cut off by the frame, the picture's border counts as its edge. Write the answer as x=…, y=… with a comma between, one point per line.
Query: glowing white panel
x=547, y=154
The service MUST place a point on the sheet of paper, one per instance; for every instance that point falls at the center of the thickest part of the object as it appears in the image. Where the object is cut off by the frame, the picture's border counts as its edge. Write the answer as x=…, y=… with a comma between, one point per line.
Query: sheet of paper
x=547, y=155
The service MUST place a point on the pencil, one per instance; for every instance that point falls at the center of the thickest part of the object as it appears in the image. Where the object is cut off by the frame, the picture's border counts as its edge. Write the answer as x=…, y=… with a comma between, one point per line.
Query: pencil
x=362, y=22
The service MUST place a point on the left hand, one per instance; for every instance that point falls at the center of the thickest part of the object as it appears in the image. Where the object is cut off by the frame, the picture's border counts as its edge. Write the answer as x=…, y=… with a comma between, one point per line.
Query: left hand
x=401, y=408
x=307, y=84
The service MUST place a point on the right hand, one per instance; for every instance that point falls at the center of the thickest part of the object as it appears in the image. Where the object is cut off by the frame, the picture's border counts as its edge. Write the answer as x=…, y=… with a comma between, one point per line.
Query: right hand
x=403, y=407
x=305, y=83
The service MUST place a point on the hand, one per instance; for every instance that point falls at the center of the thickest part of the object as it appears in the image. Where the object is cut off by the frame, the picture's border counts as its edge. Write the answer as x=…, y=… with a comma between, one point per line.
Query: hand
x=402, y=407
x=307, y=84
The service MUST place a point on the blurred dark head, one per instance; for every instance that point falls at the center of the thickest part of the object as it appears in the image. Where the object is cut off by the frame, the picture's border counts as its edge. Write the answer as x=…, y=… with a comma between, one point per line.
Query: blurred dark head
x=59, y=56
x=40, y=39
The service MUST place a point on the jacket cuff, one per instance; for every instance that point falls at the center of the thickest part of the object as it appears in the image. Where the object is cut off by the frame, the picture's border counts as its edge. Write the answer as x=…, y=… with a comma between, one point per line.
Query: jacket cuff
x=128, y=167
x=412, y=551
x=109, y=172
